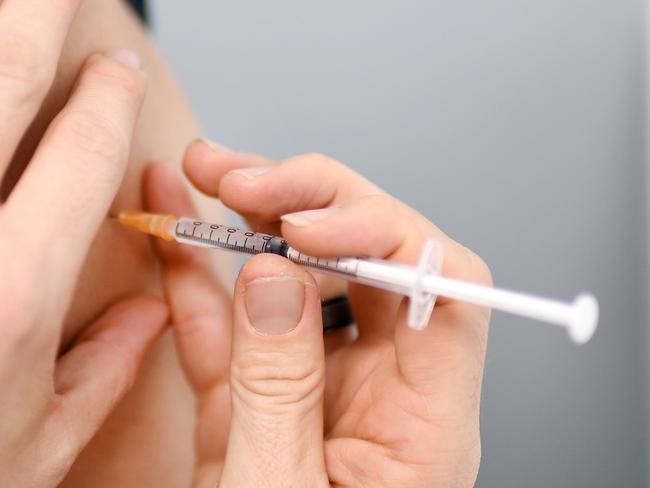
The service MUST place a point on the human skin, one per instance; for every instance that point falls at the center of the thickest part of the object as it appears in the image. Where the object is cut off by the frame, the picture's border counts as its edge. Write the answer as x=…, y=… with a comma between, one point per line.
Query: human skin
x=53, y=404
x=387, y=407
x=147, y=441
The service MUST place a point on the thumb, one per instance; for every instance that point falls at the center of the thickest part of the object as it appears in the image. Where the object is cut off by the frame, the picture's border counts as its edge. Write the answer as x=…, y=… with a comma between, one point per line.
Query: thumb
x=277, y=379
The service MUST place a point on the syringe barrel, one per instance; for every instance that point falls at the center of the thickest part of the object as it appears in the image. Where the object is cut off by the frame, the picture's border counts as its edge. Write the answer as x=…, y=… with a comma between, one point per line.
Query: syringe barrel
x=580, y=317
x=215, y=236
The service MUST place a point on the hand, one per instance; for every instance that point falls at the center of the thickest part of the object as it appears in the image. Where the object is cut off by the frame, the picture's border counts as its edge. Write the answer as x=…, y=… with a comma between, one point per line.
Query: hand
x=400, y=407
x=51, y=406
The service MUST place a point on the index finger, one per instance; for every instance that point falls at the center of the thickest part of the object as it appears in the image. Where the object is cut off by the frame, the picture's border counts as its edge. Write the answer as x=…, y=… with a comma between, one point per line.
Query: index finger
x=56, y=209
x=32, y=33
x=262, y=192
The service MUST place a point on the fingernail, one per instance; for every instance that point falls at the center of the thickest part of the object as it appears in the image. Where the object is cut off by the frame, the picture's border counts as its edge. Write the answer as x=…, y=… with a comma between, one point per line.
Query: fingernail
x=126, y=57
x=215, y=146
x=308, y=217
x=251, y=173
x=274, y=305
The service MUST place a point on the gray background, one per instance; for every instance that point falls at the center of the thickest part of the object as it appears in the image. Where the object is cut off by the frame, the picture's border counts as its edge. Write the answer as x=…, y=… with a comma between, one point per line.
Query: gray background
x=516, y=126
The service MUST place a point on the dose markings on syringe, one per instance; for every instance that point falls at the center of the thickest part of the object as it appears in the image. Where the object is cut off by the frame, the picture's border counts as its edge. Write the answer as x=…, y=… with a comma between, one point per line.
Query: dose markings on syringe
x=222, y=236
x=342, y=265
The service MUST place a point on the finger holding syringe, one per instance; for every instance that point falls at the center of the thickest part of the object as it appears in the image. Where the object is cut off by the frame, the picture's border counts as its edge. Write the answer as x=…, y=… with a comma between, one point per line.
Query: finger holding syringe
x=363, y=221
x=351, y=216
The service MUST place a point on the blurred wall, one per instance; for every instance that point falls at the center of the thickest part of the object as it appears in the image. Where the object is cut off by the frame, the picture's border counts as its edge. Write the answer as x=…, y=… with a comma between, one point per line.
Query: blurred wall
x=517, y=127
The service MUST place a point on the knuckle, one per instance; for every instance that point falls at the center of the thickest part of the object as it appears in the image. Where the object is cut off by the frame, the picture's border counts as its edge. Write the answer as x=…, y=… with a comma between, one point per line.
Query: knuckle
x=122, y=78
x=282, y=381
x=19, y=313
x=319, y=160
x=122, y=365
x=384, y=202
x=480, y=268
x=17, y=325
x=91, y=133
x=382, y=208
x=193, y=326
x=22, y=63
x=60, y=426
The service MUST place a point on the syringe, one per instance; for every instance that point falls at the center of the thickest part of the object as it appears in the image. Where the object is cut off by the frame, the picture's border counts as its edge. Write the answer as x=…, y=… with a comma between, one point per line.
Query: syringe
x=421, y=283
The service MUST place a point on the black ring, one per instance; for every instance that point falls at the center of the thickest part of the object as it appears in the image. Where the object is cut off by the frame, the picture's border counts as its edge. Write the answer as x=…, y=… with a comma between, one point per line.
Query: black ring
x=336, y=314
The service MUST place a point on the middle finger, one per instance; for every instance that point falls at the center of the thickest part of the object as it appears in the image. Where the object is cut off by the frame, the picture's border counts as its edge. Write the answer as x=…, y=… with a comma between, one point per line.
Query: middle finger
x=262, y=192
